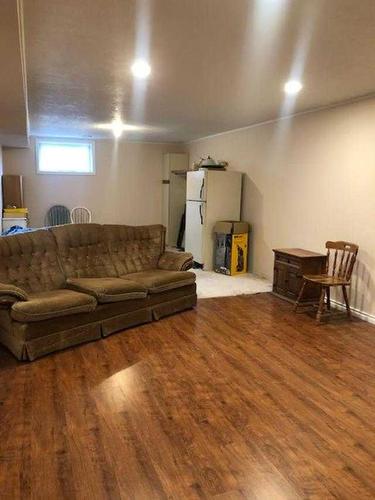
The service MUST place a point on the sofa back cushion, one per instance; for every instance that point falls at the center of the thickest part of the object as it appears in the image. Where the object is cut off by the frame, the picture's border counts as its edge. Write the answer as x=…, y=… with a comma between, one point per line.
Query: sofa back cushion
x=30, y=261
x=83, y=251
x=134, y=249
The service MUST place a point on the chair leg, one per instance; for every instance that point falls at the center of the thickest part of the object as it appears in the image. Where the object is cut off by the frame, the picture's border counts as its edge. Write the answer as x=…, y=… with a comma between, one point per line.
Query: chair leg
x=346, y=302
x=321, y=305
x=328, y=298
x=300, y=295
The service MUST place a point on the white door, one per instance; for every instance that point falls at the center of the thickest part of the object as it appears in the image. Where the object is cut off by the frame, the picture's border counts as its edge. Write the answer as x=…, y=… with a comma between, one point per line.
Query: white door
x=195, y=213
x=195, y=186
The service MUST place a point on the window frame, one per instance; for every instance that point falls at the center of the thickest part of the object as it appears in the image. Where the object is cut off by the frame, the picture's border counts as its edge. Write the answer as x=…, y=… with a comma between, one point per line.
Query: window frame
x=68, y=142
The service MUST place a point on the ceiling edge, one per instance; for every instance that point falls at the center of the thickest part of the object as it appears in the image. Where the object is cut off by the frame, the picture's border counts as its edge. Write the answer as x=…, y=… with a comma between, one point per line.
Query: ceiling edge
x=21, y=36
x=346, y=102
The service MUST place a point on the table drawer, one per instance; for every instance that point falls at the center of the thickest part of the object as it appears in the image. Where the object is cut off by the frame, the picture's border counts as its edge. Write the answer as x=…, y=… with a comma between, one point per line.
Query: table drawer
x=289, y=270
x=285, y=260
x=294, y=267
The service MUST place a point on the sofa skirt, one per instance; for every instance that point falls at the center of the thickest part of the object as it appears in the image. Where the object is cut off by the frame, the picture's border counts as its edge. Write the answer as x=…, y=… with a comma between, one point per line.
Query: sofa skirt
x=173, y=306
x=123, y=321
x=57, y=341
x=32, y=349
x=29, y=341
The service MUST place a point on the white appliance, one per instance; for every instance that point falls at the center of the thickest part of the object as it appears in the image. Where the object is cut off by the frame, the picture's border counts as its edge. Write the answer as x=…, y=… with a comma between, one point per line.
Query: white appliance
x=212, y=195
x=8, y=222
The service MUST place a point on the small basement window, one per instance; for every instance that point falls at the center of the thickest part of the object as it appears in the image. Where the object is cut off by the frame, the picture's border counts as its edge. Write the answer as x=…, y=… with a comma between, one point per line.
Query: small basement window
x=65, y=157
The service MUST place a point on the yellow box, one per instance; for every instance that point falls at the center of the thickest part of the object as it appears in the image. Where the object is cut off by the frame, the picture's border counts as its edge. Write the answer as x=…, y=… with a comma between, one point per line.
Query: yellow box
x=23, y=211
x=15, y=213
x=238, y=263
x=231, y=250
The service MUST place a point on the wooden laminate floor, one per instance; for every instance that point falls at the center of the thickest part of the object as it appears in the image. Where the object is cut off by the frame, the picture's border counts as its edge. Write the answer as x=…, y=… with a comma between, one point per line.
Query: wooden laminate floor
x=239, y=398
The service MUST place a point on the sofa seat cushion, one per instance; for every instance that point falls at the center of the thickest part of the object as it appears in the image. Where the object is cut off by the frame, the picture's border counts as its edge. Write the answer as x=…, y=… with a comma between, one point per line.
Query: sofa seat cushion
x=160, y=280
x=108, y=289
x=52, y=304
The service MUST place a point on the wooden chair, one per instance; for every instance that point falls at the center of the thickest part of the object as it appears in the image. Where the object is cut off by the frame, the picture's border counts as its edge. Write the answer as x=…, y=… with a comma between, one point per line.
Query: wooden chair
x=341, y=257
x=56, y=215
x=80, y=215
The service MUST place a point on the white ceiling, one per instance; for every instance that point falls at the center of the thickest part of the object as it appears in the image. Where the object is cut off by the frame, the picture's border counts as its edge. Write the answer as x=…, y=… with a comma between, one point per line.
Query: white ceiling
x=216, y=64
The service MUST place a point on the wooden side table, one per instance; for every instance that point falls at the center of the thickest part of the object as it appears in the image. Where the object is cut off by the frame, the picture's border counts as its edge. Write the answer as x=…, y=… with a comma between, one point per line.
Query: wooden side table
x=289, y=267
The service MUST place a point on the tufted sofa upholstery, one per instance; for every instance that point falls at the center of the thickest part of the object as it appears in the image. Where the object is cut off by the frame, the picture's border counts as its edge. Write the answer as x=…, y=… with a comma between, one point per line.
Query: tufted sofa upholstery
x=70, y=284
x=30, y=262
x=83, y=251
x=134, y=249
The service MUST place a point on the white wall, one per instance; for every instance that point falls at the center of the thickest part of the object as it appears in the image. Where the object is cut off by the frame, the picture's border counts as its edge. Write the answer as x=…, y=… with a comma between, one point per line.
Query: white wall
x=307, y=180
x=126, y=189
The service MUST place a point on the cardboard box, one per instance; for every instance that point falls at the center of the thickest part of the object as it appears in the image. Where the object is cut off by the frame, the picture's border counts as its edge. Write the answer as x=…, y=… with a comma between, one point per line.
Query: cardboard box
x=231, y=249
x=231, y=227
x=8, y=223
x=15, y=213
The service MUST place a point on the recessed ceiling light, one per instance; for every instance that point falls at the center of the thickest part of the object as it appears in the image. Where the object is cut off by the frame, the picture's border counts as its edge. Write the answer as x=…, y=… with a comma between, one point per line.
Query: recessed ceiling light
x=141, y=68
x=117, y=126
x=292, y=87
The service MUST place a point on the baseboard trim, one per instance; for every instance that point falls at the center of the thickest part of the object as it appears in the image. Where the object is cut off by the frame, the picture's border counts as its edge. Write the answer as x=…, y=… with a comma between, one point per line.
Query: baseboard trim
x=370, y=318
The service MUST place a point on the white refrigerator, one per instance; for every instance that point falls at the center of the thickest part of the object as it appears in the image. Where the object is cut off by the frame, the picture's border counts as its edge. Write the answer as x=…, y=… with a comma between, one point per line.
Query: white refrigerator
x=211, y=196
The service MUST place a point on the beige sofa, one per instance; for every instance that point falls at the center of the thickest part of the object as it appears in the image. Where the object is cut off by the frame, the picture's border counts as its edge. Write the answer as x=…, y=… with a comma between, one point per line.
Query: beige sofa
x=71, y=284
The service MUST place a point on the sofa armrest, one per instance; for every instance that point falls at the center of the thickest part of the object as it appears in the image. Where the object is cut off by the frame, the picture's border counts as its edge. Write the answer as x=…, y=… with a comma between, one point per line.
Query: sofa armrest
x=175, y=261
x=11, y=293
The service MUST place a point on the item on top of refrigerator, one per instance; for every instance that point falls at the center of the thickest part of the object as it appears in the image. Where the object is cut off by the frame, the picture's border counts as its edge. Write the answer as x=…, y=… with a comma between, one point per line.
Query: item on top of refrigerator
x=208, y=162
x=212, y=164
x=223, y=164
x=231, y=247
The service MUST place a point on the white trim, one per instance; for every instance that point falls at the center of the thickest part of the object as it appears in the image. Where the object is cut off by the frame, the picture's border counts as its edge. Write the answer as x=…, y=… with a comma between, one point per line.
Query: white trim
x=67, y=141
x=370, y=318
x=353, y=100
x=177, y=143
x=139, y=141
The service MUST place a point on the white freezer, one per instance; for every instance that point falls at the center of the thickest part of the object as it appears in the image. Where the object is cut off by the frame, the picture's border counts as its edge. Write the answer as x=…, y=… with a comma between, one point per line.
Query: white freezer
x=196, y=185
x=195, y=217
x=222, y=194
x=8, y=222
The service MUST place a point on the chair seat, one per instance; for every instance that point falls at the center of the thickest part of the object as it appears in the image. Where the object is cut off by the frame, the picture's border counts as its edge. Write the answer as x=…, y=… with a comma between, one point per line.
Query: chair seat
x=326, y=280
x=108, y=289
x=52, y=304
x=159, y=280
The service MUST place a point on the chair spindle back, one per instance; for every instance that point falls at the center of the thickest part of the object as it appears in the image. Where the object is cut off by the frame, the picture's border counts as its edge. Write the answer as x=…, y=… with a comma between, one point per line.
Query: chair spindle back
x=341, y=257
x=80, y=215
x=57, y=215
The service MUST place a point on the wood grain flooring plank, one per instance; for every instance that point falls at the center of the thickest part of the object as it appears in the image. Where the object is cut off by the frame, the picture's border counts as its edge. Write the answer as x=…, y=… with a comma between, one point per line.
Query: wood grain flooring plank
x=239, y=398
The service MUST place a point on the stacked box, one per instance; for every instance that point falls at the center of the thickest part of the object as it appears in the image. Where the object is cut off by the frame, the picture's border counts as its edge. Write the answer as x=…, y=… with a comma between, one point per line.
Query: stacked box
x=15, y=213
x=14, y=217
x=231, y=249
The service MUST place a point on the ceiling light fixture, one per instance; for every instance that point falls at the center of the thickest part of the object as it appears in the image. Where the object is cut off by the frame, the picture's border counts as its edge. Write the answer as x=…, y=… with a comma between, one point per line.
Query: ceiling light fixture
x=117, y=127
x=141, y=69
x=292, y=87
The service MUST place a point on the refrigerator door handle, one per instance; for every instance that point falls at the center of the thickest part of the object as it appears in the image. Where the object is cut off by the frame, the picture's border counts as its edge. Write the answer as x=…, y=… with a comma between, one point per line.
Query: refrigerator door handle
x=200, y=213
x=201, y=189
